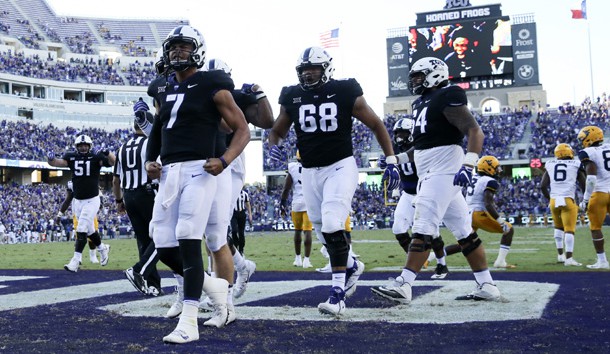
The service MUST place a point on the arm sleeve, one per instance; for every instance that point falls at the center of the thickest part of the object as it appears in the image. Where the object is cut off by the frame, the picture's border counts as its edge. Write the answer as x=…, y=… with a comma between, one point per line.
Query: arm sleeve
x=154, y=141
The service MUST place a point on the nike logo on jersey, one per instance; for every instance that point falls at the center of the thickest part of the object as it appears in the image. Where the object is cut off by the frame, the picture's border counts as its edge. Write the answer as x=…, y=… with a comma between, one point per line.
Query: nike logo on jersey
x=191, y=86
x=338, y=168
x=193, y=176
x=331, y=96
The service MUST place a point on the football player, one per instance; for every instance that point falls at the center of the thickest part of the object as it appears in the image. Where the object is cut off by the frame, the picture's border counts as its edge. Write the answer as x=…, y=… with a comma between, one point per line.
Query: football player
x=559, y=186
x=302, y=225
x=321, y=110
x=596, y=199
x=442, y=120
x=62, y=209
x=191, y=106
x=85, y=166
x=480, y=196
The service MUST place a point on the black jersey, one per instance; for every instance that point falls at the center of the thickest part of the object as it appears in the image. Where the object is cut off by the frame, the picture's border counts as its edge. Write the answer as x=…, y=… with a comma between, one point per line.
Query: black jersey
x=85, y=172
x=432, y=128
x=408, y=174
x=243, y=101
x=322, y=120
x=188, y=119
x=157, y=87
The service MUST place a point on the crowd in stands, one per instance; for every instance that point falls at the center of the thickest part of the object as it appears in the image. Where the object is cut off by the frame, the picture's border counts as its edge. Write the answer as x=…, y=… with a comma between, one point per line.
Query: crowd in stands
x=100, y=72
x=550, y=129
x=23, y=140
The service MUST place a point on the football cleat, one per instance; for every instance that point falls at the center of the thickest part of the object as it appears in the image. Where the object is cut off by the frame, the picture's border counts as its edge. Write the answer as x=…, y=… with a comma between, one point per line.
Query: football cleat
x=351, y=277
x=571, y=262
x=326, y=269
x=136, y=280
x=231, y=316
x=307, y=263
x=485, y=291
x=206, y=305
x=440, y=272
x=335, y=305
x=186, y=331
x=243, y=277
x=73, y=265
x=599, y=265
x=219, y=316
x=561, y=258
x=397, y=290
x=154, y=291
x=176, y=309
x=104, y=253
x=498, y=264
x=297, y=261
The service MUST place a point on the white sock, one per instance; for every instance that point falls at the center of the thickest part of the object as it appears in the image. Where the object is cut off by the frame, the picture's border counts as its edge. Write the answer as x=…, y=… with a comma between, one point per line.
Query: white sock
x=78, y=256
x=408, y=276
x=338, y=280
x=483, y=276
x=602, y=257
x=502, y=252
x=441, y=260
x=558, y=235
x=239, y=260
x=569, y=242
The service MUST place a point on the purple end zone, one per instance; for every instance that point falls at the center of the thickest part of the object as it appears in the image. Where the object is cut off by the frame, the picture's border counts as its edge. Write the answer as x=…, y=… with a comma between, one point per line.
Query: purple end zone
x=576, y=319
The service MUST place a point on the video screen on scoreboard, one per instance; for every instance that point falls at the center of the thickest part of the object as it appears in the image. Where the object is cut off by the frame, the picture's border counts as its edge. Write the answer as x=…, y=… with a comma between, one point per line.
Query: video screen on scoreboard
x=470, y=48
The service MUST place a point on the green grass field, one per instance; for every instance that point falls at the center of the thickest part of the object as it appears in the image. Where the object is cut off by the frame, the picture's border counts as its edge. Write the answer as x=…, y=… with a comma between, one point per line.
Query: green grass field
x=533, y=250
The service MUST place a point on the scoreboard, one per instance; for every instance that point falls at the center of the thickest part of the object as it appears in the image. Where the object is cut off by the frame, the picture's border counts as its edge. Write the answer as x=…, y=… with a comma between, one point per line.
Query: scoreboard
x=483, y=48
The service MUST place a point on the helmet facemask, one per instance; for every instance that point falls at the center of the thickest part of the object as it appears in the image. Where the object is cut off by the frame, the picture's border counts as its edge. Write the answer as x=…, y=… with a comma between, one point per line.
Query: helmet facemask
x=83, y=148
x=311, y=79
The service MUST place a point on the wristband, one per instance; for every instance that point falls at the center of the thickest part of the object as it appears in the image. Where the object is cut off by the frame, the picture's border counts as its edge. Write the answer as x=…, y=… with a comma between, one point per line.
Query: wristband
x=259, y=95
x=224, y=162
x=391, y=160
x=471, y=159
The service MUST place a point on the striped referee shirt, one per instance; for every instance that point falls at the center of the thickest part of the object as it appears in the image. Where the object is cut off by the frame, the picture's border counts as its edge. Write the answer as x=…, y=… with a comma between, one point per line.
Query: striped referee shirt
x=242, y=200
x=129, y=166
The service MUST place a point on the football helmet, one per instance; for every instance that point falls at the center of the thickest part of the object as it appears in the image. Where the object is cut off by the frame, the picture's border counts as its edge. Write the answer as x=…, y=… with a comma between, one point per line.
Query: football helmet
x=402, y=132
x=435, y=72
x=217, y=64
x=314, y=56
x=489, y=165
x=190, y=35
x=83, y=140
x=590, y=135
x=564, y=151
x=160, y=62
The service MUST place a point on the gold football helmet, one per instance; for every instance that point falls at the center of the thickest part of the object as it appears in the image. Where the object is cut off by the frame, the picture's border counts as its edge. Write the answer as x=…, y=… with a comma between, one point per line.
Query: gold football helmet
x=489, y=165
x=590, y=135
x=564, y=151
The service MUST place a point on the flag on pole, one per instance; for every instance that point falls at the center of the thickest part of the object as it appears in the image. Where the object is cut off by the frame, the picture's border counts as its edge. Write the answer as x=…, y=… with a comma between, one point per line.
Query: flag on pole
x=582, y=12
x=330, y=39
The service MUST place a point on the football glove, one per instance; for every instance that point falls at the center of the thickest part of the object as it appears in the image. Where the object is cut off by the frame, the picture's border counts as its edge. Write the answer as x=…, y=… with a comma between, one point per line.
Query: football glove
x=584, y=205
x=392, y=176
x=247, y=89
x=140, y=106
x=284, y=207
x=463, y=177
x=504, y=224
x=276, y=153
x=381, y=162
x=104, y=152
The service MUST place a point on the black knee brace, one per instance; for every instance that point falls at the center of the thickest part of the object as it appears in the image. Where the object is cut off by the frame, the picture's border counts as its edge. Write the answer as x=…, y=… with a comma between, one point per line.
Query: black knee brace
x=404, y=240
x=420, y=247
x=95, y=238
x=80, y=242
x=438, y=245
x=337, y=247
x=470, y=243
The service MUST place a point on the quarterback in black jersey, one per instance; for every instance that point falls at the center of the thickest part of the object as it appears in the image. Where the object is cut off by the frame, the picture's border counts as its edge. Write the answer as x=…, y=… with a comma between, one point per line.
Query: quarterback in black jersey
x=321, y=110
x=183, y=137
x=85, y=166
x=442, y=119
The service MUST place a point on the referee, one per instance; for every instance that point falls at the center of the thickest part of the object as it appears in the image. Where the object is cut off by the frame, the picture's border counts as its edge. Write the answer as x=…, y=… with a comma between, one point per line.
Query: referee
x=135, y=193
x=238, y=221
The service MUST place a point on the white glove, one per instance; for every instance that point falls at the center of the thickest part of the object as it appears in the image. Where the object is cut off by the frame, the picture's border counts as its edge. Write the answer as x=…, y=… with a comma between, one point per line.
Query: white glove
x=584, y=205
x=504, y=224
